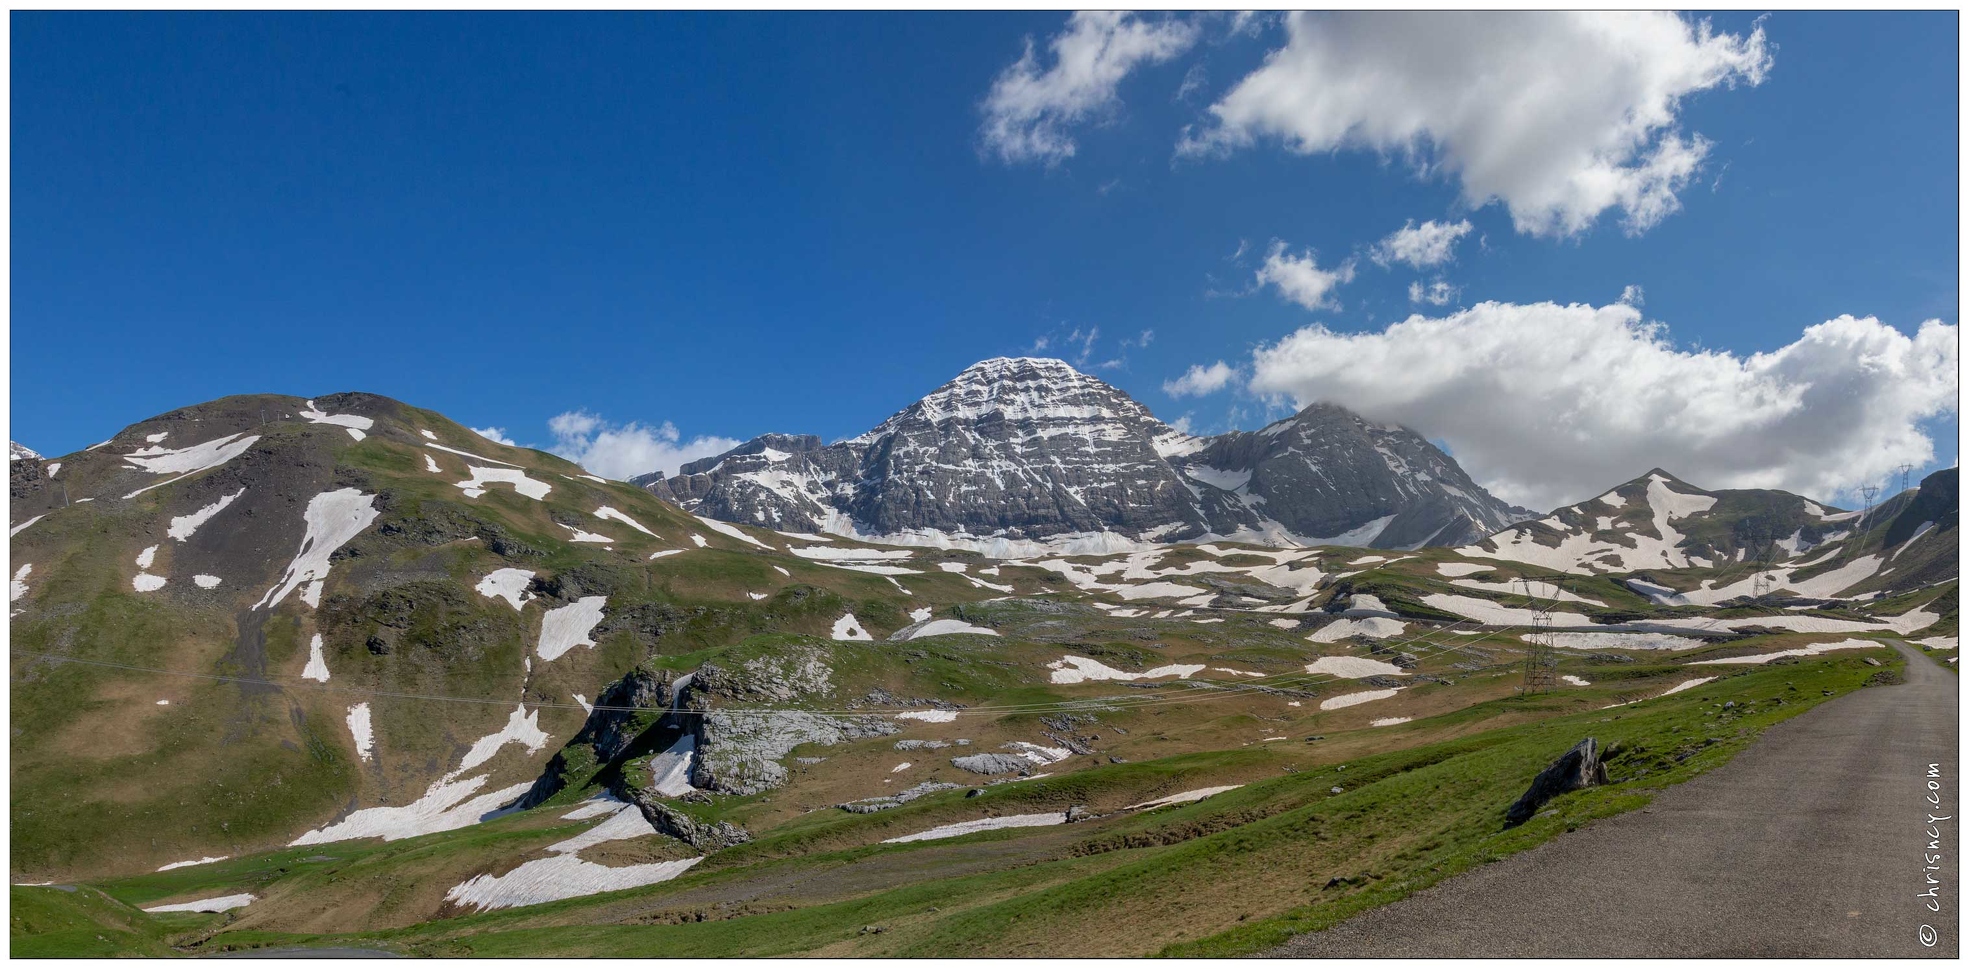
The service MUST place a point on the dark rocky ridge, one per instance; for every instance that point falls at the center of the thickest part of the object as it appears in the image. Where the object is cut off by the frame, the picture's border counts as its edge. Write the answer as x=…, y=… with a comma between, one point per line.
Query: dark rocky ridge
x=1032, y=450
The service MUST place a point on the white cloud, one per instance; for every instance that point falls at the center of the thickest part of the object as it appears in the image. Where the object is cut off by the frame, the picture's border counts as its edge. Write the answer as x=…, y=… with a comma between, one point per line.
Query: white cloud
x=1421, y=246
x=1546, y=404
x=1633, y=296
x=494, y=434
x=1085, y=339
x=1300, y=279
x=1561, y=116
x=1199, y=380
x=622, y=451
x=1030, y=110
x=1437, y=293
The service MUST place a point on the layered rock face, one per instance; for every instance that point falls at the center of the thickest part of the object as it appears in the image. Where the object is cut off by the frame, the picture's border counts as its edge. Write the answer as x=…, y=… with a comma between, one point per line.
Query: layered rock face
x=1018, y=451
x=1329, y=476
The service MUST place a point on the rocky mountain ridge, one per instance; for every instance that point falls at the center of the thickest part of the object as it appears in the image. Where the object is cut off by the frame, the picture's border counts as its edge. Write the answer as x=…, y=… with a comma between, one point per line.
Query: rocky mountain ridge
x=1016, y=455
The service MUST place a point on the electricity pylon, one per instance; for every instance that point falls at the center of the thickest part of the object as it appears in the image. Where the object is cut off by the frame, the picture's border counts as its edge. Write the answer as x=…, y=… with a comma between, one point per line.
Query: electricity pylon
x=1540, y=658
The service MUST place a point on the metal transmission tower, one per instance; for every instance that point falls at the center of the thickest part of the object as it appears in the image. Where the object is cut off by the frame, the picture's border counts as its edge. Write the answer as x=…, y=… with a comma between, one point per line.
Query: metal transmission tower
x=1541, y=658
x=1869, y=492
x=1905, y=470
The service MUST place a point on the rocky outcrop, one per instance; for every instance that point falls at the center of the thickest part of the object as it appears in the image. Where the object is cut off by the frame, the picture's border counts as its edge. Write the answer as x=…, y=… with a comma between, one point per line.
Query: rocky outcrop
x=873, y=804
x=1576, y=769
x=1015, y=451
x=739, y=751
x=989, y=764
x=702, y=835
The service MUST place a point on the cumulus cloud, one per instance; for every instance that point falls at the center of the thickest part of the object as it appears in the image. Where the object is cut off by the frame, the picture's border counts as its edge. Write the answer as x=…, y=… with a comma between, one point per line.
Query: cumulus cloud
x=1561, y=116
x=1547, y=404
x=1200, y=380
x=1430, y=244
x=1632, y=295
x=1437, y=293
x=1299, y=277
x=1032, y=108
x=494, y=434
x=622, y=451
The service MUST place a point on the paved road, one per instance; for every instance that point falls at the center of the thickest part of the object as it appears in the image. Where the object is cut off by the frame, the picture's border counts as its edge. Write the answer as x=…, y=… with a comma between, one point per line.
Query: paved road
x=1808, y=843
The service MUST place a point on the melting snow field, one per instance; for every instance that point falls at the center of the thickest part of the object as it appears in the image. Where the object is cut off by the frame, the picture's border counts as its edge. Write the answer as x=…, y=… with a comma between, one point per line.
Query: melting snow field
x=570, y=626
x=613, y=515
x=1388, y=721
x=587, y=536
x=522, y=727
x=1080, y=669
x=732, y=531
x=184, y=526
x=355, y=424
x=565, y=875
x=1186, y=797
x=1686, y=685
x=1353, y=667
x=602, y=802
x=1354, y=699
x=1457, y=569
x=943, y=627
x=146, y=582
x=476, y=484
x=849, y=628
x=1538, y=590
x=1574, y=680
x=18, y=588
x=224, y=903
x=468, y=454
x=17, y=529
x=359, y=730
x=1811, y=650
x=445, y=807
x=1496, y=613
x=206, y=581
x=929, y=716
x=449, y=803
x=187, y=461
x=962, y=828
x=1037, y=754
x=317, y=663
x=671, y=770
x=1621, y=641
x=332, y=518
x=507, y=584
x=188, y=864
x=1373, y=627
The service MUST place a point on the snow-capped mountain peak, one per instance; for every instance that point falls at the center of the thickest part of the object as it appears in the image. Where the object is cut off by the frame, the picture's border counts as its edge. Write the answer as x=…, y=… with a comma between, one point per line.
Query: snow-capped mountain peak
x=1015, y=451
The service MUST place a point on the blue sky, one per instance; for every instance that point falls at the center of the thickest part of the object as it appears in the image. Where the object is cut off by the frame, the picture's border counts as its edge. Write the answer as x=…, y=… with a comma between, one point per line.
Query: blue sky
x=742, y=223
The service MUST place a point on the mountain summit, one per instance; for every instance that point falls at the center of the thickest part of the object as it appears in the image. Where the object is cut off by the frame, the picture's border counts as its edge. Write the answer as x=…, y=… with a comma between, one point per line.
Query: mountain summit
x=1020, y=452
